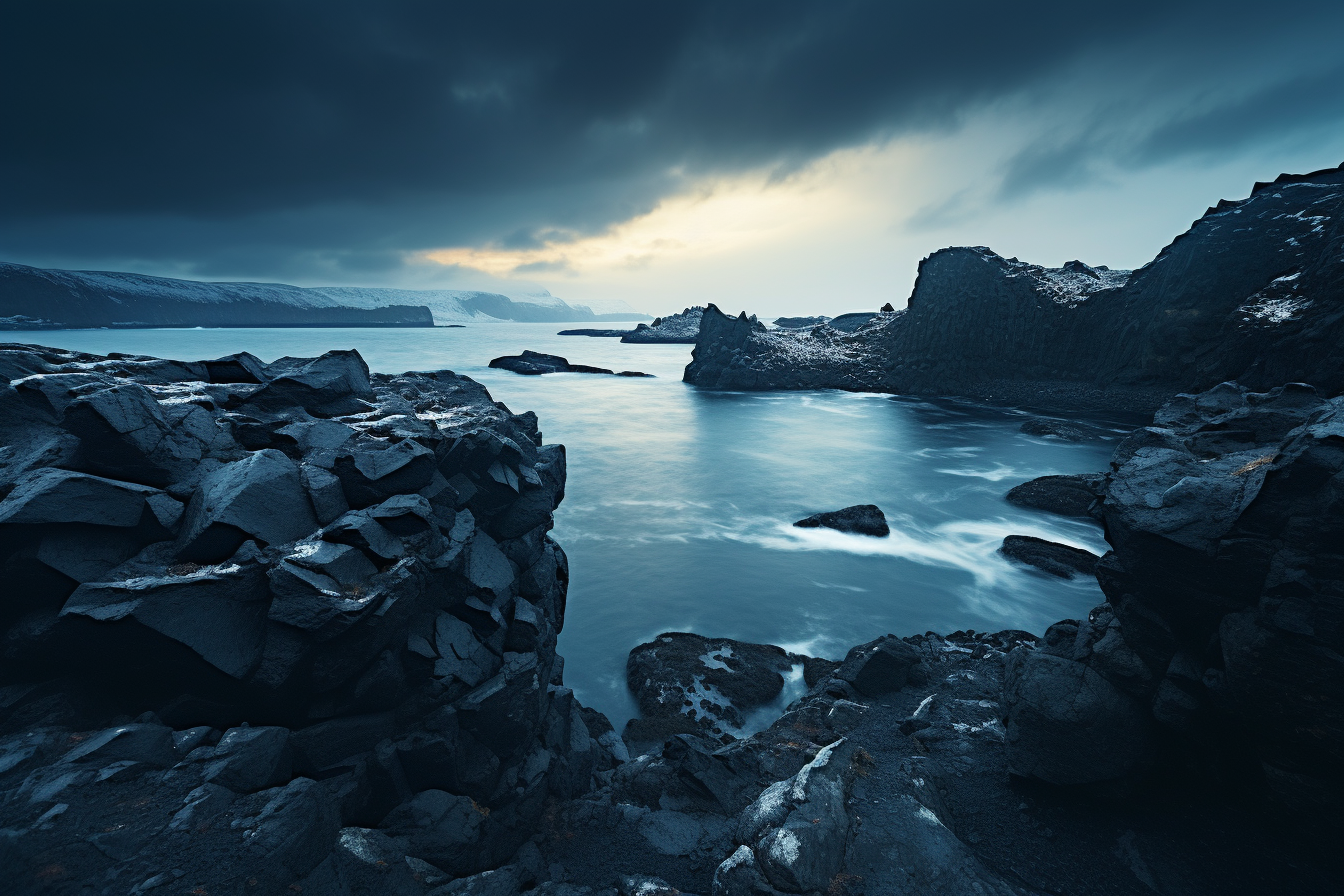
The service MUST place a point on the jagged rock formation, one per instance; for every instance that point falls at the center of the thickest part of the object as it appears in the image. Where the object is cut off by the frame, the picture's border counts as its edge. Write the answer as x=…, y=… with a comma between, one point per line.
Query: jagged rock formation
x=675, y=328
x=1254, y=291
x=531, y=363
x=1220, y=643
x=276, y=626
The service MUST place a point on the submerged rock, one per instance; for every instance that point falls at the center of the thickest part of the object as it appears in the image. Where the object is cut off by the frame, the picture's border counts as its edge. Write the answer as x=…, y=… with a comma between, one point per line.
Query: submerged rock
x=861, y=519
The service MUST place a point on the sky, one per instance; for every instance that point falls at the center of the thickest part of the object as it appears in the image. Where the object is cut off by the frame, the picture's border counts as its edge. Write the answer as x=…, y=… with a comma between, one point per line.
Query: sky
x=776, y=156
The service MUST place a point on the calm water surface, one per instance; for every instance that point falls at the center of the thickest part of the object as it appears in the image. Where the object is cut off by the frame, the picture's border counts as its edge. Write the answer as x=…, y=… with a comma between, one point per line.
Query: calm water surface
x=679, y=505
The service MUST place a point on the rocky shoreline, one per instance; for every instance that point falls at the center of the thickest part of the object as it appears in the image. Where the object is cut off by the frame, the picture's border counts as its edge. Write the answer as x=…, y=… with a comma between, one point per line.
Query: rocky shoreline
x=291, y=627
x=1251, y=292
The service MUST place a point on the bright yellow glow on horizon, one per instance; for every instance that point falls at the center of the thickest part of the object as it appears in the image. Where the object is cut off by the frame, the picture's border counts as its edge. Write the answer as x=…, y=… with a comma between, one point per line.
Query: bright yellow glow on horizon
x=725, y=216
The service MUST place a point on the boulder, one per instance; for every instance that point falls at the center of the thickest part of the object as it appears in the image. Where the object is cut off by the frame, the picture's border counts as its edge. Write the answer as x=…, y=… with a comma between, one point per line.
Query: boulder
x=260, y=497
x=1067, y=725
x=1052, y=557
x=1072, y=495
x=686, y=683
x=861, y=519
x=332, y=385
x=217, y=612
x=795, y=831
x=441, y=828
x=248, y=759
x=882, y=666
x=63, y=496
x=149, y=744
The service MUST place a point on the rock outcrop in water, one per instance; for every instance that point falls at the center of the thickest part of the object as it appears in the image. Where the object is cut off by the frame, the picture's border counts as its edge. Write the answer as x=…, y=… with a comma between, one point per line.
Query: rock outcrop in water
x=675, y=328
x=1254, y=291
x=1052, y=557
x=860, y=519
x=531, y=363
x=799, y=323
x=276, y=627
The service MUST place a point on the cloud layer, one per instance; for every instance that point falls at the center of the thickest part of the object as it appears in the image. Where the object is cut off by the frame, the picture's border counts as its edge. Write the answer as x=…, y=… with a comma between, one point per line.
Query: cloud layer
x=336, y=140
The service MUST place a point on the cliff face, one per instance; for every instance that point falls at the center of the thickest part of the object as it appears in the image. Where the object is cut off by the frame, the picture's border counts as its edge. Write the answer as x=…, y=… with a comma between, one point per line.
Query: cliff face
x=1254, y=291
x=1219, y=648
x=275, y=626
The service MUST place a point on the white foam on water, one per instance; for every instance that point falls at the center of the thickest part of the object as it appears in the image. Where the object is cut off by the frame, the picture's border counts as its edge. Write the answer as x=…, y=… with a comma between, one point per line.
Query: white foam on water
x=998, y=473
x=835, y=586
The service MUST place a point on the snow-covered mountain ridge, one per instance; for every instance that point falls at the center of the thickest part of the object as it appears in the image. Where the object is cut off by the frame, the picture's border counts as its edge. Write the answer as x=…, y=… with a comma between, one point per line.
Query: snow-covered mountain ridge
x=37, y=297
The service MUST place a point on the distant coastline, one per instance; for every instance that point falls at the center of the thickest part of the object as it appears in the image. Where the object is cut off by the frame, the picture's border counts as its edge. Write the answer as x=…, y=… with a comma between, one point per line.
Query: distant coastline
x=42, y=299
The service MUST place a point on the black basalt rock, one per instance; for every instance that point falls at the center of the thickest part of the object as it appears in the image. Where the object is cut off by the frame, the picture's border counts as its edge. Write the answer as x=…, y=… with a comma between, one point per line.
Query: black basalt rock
x=860, y=519
x=1052, y=557
x=349, y=572
x=1224, y=519
x=1070, y=495
x=531, y=363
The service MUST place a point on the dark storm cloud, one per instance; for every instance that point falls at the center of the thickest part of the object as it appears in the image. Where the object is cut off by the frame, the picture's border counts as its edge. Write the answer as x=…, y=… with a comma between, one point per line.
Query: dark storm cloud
x=309, y=139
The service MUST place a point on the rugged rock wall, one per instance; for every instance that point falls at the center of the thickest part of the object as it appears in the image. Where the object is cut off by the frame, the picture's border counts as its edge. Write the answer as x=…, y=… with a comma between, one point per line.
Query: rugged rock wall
x=1221, y=646
x=272, y=626
x=1254, y=291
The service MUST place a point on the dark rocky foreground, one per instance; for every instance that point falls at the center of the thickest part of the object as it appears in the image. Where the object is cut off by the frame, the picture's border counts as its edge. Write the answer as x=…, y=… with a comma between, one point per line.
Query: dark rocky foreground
x=1180, y=739
x=276, y=627
x=681, y=328
x=290, y=627
x=531, y=363
x=1253, y=292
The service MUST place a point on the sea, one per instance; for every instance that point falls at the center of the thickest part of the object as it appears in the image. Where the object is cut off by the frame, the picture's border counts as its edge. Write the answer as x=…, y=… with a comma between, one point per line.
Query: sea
x=679, y=509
